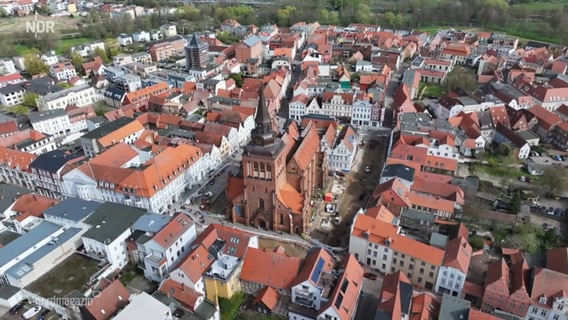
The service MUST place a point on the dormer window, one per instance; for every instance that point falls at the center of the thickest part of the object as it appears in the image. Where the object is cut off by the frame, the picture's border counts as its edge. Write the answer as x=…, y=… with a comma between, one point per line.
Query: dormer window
x=542, y=300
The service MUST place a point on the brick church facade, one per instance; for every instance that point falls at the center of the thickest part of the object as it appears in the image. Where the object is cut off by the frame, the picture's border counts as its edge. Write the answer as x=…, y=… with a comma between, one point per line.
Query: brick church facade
x=278, y=176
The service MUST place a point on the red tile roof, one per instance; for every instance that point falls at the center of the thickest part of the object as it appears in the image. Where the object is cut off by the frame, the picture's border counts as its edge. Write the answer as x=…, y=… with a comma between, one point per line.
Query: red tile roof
x=32, y=205
x=172, y=231
x=198, y=261
x=109, y=301
x=184, y=295
x=272, y=269
x=557, y=259
x=458, y=254
x=268, y=296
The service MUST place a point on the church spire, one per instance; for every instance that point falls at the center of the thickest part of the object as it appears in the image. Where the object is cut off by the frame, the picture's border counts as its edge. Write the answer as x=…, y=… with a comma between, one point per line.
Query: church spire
x=262, y=134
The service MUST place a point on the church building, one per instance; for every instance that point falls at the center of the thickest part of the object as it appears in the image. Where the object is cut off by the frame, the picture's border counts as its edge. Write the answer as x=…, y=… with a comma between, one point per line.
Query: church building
x=278, y=177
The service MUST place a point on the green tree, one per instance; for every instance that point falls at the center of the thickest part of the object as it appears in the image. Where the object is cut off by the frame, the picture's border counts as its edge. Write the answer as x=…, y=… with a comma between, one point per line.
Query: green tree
x=477, y=242
x=390, y=19
x=34, y=65
x=77, y=61
x=113, y=47
x=238, y=79
x=30, y=99
x=64, y=85
x=102, y=53
x=553, y=180
x=462, y=78
x=355, y=77
x=515, y=204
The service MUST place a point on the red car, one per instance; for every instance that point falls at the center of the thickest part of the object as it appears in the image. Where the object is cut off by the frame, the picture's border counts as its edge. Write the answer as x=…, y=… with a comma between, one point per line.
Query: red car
x=370, y=276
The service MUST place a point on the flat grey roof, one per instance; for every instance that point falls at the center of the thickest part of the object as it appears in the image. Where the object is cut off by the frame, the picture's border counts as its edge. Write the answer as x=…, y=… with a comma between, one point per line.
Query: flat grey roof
x=454, y=308
x=8, y=291
x=42, y=116
x=527, y=135
x=110, y=220
x=26, y=265
x=27, y=241
x=151, y=222
x=73, y=209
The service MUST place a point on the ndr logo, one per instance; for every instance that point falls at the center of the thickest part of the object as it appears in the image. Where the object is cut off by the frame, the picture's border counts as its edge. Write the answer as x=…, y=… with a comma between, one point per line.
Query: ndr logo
x=36, y=26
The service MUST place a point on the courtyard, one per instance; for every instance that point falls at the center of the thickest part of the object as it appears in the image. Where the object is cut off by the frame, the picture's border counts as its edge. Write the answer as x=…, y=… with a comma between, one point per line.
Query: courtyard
x=72, y=274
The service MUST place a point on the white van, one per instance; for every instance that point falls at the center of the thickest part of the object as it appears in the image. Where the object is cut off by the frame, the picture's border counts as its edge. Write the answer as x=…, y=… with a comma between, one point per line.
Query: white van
x=31, y=313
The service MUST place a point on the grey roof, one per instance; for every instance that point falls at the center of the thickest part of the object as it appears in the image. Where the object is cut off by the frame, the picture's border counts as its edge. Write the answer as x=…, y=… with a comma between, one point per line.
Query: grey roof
x=27, y=241
x=73, y=209
x=251, y=41
x=42, y=86
x=7, y=236
x=26, y=265
x=5, y=118
x=62, y=93
x=399, y=171
x=454, y=308
x=98, y=119
x=53, y=161
x=151, y=222
x=8, y=194
x=418, y=215
x=8, y=291
x=46, y=115
x=527, y=135
x=114, y=93
x=11, y=88
x=110, y=220
x=107, y=128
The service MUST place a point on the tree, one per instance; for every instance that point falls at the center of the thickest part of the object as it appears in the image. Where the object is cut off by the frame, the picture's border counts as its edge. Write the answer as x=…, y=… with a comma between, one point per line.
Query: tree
x=102, y=53
x=355, y=77
x=476, y=242
x=238, y=79
x=30, y=99
x=64, y=85
x=462, y=78
x=515, y=204
x=77, y=61
x=113, y=47
x=34, y=65
x=553, y=180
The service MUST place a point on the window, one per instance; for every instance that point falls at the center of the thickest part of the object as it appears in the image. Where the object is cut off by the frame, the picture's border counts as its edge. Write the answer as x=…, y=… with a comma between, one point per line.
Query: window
x=543, y=312
x=419, y=279
x=556, y=317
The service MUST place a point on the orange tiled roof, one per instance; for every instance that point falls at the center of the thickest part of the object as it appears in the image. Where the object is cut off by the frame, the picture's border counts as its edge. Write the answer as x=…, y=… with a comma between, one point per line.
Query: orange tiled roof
x=107, y=303
x=376, y=231
x=458, y=254
x=198, y=261
x=184, y=295
x=21, y=136
x=431, y=202
x=268, y=296
x=32, y=205
x=173, y=230
x=16, y=159
x=418, y=250
x=344, y=298
x=271, y=269
x=291, y=198
x=120, y=133
x=425, y=307
x=8, y=127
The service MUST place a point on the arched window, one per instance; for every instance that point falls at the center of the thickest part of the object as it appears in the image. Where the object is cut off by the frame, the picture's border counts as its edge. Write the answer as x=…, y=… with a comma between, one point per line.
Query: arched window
x=255, y=170
x=262, y=171
x=268, y=172
x=261, y=204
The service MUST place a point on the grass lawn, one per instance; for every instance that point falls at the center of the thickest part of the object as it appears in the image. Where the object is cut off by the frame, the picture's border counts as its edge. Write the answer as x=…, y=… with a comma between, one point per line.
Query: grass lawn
x=71, y=274
x=430, y=90
x=62, y=45
x=291, y=249
x=434, y=29
x=543, y=5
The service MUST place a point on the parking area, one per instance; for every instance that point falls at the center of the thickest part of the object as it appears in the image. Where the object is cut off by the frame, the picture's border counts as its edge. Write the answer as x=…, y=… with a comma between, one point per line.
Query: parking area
x=213, y=191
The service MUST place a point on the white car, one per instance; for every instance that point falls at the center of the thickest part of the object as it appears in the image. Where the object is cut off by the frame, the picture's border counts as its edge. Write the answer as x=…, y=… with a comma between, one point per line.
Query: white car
x=31, y=313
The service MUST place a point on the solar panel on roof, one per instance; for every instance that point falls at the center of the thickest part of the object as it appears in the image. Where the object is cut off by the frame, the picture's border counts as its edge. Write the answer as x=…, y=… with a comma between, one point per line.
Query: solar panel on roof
x=317, y=270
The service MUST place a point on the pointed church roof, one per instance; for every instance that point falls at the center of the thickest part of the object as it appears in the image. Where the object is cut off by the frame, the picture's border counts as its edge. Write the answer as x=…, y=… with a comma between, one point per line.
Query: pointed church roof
x=262, y=114
x=194, y=41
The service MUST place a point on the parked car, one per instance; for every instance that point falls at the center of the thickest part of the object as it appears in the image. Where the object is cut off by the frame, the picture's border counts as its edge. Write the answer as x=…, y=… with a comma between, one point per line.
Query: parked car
x=370, y=276
x=15, y=309
x=43, y=314
x=32, y=312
